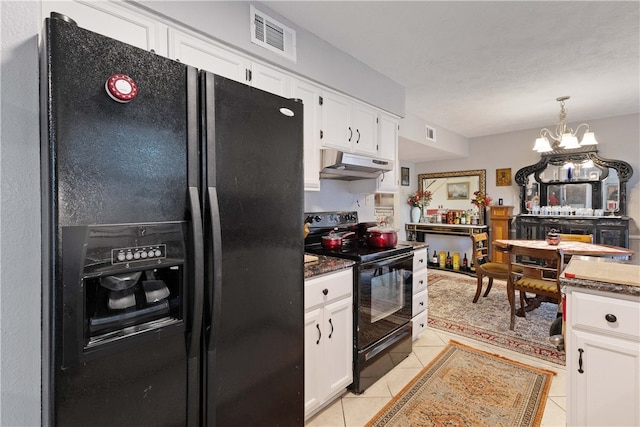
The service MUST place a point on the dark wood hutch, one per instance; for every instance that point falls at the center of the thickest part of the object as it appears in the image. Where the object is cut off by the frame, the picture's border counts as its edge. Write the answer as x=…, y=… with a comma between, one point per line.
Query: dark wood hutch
x=576, y=192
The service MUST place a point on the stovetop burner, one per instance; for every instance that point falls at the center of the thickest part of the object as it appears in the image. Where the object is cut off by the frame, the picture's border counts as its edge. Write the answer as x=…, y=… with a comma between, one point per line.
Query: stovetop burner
x=355, y=247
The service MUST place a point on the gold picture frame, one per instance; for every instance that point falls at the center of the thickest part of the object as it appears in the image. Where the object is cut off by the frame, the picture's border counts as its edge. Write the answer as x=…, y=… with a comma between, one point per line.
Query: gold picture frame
x=503, y=177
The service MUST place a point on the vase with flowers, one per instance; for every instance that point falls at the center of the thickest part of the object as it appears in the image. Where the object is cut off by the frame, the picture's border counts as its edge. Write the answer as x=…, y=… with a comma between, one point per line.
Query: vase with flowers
x=481, y=200
x=418, y=201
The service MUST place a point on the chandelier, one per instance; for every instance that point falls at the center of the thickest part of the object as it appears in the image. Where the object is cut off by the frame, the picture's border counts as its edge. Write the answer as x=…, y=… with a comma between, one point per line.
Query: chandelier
x=563, y=137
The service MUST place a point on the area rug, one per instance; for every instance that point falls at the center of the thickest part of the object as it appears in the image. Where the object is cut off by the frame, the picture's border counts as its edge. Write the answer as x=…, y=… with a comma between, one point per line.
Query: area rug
x=451, y=309
x=464, y=386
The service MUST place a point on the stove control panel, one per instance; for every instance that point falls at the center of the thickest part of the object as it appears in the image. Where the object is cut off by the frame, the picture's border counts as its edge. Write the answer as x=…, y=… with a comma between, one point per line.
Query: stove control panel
x=331, y=219
x=138, y=253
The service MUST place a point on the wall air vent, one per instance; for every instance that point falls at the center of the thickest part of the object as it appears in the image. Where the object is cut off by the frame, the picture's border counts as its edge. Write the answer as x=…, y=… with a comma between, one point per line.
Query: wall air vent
x=431, y=133
x=272, y=35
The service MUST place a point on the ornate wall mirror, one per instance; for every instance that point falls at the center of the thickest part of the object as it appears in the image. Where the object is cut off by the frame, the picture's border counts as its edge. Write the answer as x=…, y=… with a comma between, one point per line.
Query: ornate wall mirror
x=453, y=190
x=576, y=179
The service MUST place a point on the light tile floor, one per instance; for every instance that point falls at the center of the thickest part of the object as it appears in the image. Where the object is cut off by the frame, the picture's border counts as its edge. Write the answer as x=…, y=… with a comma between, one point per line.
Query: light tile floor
x=352, y=410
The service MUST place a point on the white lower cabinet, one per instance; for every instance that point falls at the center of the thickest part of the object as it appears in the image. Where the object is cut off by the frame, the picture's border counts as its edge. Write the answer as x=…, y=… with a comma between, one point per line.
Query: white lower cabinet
x=420, y=296
x=328, y=336
x=603, y=359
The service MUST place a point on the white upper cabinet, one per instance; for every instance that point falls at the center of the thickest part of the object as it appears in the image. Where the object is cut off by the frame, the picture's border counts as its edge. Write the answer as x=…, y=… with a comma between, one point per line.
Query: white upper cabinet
x=207, y=55
x=113, y=20
x=348, y=125
x=336, y=119
x=388, y=149
x=365, y=127
x=203, y=54
x=310, y=96
x=270, y=80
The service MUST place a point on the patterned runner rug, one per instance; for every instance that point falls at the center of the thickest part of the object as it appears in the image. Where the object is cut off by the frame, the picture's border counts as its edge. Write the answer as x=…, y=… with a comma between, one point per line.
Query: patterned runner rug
x=468, y=387
x=451, y=309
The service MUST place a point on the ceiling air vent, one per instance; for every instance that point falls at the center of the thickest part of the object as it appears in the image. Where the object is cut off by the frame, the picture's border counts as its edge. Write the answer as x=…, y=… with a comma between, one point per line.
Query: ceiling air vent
x=431, y=133
x=272, y=35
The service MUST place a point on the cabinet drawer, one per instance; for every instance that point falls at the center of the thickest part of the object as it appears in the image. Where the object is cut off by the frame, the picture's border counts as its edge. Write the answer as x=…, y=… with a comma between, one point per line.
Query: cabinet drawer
x=328, y=287
x=591, y=311
x=419, y=303
x=419, y=259
x=419, y=324
x=419, y=281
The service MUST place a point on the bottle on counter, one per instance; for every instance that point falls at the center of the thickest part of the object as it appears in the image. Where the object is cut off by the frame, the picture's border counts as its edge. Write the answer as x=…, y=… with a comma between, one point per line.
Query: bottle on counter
x=434, y=259
x=465, y=263
x=456, y=261
x=463, y=218
x=448, y=263
x=442, y=260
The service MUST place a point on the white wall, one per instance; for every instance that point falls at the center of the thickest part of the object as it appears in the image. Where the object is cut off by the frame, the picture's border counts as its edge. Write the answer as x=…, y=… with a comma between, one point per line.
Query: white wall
x=228, y=21
x=20, y=289
x=618, y=139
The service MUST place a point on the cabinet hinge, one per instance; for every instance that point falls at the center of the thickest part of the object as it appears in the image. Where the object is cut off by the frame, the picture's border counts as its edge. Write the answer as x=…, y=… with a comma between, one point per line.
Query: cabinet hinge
x=248, y=75
x=321, y=134
x=377, y=120
x=320, y=100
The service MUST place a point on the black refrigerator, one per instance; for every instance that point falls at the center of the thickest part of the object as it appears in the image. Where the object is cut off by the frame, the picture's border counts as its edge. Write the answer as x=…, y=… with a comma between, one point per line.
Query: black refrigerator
x=172, y=241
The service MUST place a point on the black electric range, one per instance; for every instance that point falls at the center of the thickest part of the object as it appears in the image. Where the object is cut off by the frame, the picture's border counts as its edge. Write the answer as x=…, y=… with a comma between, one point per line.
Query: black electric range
x=382, y=294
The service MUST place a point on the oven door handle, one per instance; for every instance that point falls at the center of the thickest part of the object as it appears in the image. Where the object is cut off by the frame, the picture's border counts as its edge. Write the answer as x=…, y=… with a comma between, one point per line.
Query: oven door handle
x=386, y=261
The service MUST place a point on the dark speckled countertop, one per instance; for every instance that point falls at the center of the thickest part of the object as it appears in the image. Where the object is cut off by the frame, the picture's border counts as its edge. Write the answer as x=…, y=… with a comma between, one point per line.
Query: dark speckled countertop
x=324, y=265
x=416, y=245
x=613, y=288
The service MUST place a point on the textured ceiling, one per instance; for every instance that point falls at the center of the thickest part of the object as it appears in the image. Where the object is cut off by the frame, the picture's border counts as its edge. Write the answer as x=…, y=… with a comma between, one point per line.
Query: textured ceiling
x=481, y=68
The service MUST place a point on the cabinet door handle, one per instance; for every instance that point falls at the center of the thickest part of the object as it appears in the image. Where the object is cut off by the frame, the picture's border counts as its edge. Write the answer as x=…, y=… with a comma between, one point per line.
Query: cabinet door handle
x=611, y=318
x=580, y=361
x=331, y=333
x=319, y=334
x=325, y=291
x=421, y=302
x=358, y=140
x=350, y=133
x=421, y=282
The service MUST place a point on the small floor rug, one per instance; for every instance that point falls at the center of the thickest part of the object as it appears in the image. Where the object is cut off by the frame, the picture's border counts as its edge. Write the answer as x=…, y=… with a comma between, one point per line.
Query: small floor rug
x=464, y=386
x=451, y=309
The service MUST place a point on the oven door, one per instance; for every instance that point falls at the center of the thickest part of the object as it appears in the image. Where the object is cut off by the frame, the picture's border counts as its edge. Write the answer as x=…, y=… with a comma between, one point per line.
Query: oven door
x=384, y=298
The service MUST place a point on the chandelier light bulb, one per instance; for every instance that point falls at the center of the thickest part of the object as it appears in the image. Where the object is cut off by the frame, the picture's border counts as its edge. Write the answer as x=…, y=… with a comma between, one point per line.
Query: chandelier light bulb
x=588, y=138
x=542, y=145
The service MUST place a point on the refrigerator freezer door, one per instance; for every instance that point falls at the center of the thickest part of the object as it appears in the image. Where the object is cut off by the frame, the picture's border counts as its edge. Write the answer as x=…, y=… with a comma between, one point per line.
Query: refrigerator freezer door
x=111, y=162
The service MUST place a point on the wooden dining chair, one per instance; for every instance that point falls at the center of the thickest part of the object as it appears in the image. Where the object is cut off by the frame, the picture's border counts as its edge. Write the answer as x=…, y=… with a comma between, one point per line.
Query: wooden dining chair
x=586, y=238
x=484, y=266
x=540, y=275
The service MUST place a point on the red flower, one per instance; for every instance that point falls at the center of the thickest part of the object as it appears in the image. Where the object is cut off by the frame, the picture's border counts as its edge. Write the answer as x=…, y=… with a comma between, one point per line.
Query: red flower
x=420, y=198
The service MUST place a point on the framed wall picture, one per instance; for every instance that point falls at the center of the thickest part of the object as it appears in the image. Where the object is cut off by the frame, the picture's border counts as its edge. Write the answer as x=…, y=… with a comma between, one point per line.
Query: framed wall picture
x=503, y=177
x=404, y=176
x=458, y=191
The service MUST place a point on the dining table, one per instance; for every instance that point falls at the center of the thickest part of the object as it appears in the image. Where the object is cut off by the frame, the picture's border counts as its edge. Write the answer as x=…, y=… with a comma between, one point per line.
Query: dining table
x=569, y=248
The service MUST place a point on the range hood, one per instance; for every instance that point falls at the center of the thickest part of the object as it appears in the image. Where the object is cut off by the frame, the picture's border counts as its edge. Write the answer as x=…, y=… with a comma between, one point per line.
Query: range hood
x=351, y=167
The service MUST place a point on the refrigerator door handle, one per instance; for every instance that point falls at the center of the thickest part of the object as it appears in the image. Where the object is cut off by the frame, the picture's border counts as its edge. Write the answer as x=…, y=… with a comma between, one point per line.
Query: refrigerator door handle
x=216, y=265
x=198, y=273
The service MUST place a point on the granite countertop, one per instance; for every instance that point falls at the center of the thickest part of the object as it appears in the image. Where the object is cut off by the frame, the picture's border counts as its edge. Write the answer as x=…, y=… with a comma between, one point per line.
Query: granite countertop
x=416, y=245
x=324, y=265
x=613, y=288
